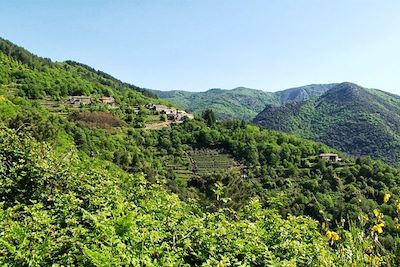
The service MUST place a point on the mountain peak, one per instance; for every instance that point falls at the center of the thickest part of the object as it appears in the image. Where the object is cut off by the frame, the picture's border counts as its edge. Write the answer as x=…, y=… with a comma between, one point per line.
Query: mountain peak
x=348, y=86
x=346, y=92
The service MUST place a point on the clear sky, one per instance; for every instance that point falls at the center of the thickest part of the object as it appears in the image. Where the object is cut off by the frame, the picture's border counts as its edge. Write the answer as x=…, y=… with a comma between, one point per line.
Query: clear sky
x=197, y=45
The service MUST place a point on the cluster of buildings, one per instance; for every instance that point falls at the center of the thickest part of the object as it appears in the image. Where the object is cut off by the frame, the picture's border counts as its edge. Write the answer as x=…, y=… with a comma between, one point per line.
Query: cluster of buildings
x=172, y=113
x=86, y=100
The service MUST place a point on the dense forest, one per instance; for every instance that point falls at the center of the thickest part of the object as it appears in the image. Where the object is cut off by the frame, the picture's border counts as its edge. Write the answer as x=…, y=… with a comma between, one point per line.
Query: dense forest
x=348, y=117
x=90, y=185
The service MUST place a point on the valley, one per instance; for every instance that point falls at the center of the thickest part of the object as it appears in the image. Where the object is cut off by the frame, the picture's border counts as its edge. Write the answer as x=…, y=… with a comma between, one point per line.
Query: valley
x=98, y=172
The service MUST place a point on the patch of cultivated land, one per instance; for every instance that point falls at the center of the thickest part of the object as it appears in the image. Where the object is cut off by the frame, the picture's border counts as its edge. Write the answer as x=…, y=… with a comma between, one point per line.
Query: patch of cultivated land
x=211, y=160
x=181, y=168
x=57, y=107
x=200, y=162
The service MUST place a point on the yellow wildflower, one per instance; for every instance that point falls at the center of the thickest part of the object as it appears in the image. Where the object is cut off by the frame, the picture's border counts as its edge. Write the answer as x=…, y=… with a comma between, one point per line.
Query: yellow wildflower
x=2, y=98
x=378, y=228
x=332, y=235
x=377, y=213
x=398, y=208
x=386, y=198
x=335, y=236
x=329, y=234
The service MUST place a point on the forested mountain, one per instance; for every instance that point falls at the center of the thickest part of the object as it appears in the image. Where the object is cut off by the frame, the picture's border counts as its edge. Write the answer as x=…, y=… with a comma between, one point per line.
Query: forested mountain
x=89, y=185
x=240, y=103
x=351, y=118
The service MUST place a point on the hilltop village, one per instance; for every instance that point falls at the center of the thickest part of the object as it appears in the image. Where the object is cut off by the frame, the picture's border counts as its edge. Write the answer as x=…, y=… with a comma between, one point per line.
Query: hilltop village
x=101, y=110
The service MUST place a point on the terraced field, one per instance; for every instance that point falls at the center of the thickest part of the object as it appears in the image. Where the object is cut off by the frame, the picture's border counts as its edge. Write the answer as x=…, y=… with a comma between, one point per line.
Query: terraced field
x=55, y=106
x=200, y=162
x=182, y=170
x=211, y=160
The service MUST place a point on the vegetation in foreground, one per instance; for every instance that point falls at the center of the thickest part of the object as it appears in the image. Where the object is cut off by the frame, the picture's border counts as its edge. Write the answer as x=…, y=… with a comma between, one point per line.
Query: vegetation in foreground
x=68, y=209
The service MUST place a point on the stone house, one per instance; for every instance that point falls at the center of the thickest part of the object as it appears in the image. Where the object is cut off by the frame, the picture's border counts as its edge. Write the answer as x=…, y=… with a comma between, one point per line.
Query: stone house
x=107, y=100
x=172, y=113
x=330, y=157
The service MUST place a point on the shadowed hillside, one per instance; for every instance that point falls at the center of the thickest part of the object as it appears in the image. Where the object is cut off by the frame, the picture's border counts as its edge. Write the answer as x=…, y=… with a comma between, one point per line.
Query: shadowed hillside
x=351, y=118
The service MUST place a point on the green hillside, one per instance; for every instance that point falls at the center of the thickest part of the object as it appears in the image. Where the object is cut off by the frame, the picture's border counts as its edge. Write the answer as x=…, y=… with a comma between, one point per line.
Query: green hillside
x=348, y=117
x=239, y=103
x=35, y=77
x=91, y=186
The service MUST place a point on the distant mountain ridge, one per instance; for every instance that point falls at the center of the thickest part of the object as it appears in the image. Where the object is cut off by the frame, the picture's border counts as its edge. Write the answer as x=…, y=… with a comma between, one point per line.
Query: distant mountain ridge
x=241, y=102
x=303, y=93
x=351, y=118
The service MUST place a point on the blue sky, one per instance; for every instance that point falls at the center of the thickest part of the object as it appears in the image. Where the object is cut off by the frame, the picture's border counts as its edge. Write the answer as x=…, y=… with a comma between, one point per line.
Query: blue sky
x=197, y=45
